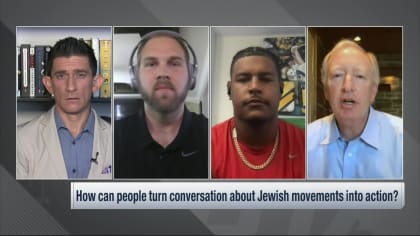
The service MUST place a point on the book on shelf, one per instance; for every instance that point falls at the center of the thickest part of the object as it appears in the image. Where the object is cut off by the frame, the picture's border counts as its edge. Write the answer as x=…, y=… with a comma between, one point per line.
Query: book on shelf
x=95, y=46
x=24, y=52
x=18, y=71
x=31, y=72
x=31, y=62
x=39, y=70
x=47, y=50
x=105, y=68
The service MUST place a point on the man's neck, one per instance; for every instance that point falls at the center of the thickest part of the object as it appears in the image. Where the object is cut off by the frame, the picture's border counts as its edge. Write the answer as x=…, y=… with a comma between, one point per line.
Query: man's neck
x=257, y=134
x=350, y=130
x=75, y=123
x=163, y=127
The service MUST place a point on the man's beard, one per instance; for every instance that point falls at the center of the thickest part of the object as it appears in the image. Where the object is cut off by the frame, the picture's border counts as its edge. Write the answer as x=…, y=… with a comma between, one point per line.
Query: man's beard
x=161, y=106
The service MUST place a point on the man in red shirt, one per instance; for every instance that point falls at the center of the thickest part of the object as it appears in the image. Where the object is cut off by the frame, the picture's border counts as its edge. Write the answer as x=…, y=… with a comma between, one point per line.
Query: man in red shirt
x=255, y=143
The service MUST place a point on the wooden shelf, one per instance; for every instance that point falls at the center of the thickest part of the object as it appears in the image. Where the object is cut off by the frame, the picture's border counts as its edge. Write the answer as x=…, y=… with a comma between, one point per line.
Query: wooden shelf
x=127, y=96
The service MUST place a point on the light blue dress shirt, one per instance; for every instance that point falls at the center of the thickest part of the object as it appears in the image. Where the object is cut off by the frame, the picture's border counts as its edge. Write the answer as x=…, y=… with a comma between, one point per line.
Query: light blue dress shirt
x=77, y=152
x=376, y=154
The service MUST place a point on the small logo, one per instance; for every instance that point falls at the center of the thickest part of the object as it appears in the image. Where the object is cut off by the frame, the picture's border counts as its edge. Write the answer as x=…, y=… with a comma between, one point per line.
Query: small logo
x=291, y=156
x=188, y=154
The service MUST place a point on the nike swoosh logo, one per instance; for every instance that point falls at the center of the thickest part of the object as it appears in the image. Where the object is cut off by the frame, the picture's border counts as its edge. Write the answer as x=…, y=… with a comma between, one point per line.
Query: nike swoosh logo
x=188, y=153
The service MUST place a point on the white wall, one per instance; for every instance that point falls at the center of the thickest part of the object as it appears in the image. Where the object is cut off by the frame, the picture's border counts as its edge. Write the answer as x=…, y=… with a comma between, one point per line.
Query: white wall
x=123, y=45
x=226, y=41
x=198, y=38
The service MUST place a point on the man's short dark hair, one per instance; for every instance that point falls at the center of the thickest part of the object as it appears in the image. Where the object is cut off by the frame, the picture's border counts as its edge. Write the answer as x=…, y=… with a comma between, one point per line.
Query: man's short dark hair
x=71, y=47
x=257, y=51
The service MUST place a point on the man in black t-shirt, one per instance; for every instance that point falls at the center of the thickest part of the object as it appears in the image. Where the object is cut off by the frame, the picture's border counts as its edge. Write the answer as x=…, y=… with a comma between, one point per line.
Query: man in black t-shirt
x=164, y=139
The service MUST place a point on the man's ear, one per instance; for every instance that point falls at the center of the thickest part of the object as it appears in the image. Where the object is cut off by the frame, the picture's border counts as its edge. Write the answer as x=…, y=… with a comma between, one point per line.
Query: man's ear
x=373, y=93
x=229, y=89
x=326, y=94
x=98, y=80
x=46, y=80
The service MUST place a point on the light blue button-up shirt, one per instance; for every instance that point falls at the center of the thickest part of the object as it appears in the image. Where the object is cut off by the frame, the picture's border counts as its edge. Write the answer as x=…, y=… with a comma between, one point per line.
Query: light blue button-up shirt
x=376, y=154
x=77, y=152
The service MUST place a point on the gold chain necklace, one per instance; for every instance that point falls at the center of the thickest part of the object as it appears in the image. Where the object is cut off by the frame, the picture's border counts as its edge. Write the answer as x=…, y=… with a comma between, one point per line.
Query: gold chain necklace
x=243, y=158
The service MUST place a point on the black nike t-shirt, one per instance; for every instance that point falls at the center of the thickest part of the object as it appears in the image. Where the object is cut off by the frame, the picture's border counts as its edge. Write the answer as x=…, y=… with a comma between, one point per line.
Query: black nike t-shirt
x=137, y=155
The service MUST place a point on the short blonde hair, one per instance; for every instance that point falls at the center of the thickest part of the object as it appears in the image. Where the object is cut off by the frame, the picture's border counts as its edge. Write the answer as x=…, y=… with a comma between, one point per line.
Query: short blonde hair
x=346, y=43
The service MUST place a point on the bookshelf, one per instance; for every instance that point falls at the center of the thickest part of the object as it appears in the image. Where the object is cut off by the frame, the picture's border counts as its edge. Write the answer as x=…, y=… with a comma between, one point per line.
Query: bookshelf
x=29, y=107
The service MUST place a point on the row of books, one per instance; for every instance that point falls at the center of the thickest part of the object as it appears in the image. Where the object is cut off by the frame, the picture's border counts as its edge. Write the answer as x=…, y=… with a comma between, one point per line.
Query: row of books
x=31, y=62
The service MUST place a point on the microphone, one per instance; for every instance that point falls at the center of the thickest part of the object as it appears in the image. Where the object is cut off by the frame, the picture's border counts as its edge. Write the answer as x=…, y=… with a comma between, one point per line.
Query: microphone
x=95, y=159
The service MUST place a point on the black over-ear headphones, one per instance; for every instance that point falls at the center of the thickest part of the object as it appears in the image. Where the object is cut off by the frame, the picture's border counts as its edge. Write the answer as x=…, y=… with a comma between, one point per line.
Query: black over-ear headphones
x=192, y=67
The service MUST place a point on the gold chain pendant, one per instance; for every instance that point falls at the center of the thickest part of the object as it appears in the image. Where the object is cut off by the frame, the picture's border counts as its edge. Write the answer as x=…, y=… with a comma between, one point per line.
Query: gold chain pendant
x=243, y=158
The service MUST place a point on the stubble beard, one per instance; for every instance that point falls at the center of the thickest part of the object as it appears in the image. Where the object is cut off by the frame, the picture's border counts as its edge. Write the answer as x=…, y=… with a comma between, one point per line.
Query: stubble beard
x=158, y=104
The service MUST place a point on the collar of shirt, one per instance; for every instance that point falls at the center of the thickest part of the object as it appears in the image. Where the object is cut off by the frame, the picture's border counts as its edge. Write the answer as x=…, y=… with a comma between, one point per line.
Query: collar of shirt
x=90, y=125
x=370, y=134
x=179, y=140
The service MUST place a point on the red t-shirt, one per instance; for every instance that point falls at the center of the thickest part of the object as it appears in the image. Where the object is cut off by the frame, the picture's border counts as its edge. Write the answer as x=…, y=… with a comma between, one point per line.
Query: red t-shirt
x=289, y=161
